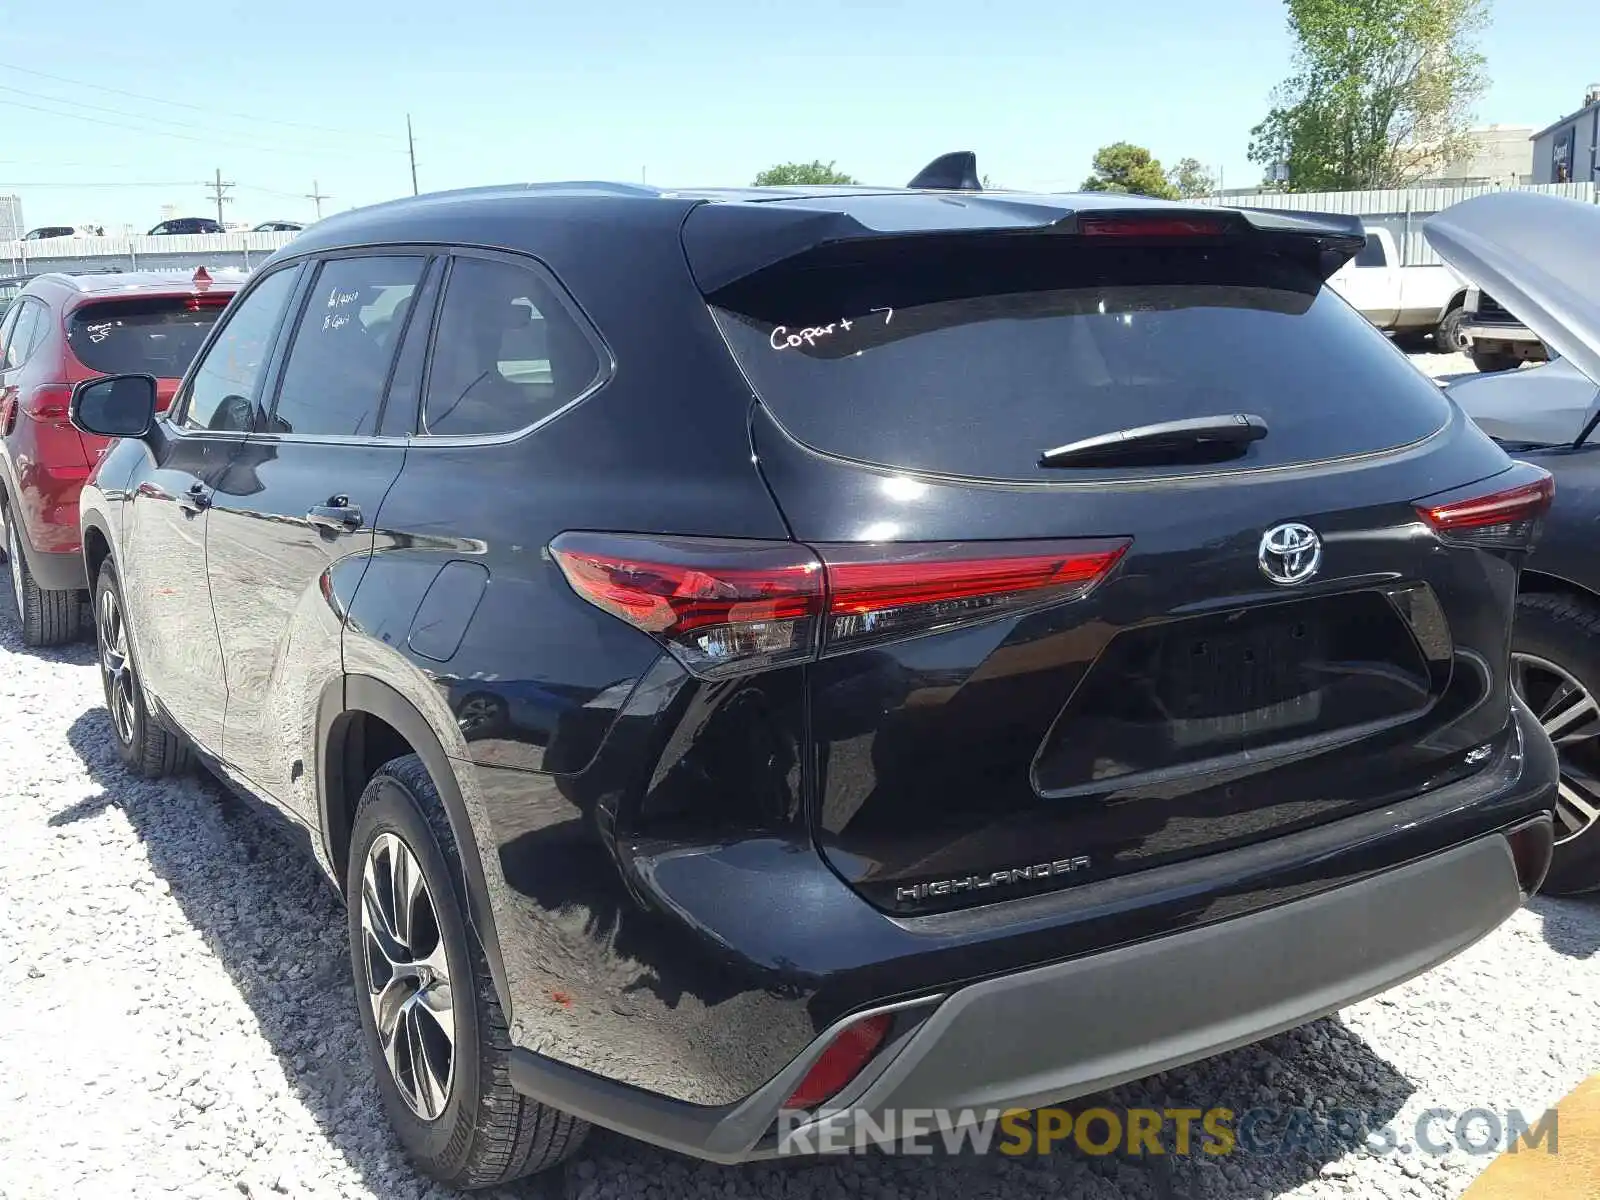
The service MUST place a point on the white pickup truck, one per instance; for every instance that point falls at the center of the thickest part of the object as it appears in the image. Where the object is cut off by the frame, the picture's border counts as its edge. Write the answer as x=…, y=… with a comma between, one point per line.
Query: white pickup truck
x=1403, y=300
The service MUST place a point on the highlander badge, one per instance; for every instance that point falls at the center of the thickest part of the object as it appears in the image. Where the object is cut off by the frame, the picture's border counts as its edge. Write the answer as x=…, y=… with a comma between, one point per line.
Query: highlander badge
x=977, y=883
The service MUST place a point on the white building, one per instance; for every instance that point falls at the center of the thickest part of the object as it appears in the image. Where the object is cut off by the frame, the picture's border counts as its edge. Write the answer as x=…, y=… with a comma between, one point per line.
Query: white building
x=11, y=226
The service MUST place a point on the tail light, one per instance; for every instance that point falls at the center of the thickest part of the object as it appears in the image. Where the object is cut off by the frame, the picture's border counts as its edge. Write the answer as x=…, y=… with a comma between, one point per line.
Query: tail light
x=1506, y=519
x=1156, y=225
x=730, y=606
x=842, y=1061
x=876, y=597
x=49, y=402
x=719, y=605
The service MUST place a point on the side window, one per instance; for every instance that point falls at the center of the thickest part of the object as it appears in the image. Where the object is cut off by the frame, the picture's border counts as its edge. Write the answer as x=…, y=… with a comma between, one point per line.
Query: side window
x=225, y=383
x=508, y=351
x=405, y=381
x=6, y=327
x=24, y=333
x=339, y=359
x=1371, y=254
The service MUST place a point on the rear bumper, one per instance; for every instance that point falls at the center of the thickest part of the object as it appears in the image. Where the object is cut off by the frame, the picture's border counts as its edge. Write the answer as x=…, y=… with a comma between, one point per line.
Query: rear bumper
x=1046, y=1033
x=1078, y=1027
x=1499, y=333
x=53, y=571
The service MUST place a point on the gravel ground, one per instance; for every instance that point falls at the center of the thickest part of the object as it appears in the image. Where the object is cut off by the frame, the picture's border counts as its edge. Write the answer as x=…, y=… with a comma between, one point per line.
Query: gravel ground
x=179, y=1020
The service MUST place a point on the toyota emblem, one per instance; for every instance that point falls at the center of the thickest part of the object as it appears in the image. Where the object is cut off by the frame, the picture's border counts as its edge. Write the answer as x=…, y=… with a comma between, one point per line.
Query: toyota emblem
x=1290, y=553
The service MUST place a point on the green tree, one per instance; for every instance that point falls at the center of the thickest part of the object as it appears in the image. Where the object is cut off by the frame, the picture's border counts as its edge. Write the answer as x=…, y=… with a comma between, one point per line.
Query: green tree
x=811, y=172
x=1380, y=95
x=1190, y=179
x=1124, y=167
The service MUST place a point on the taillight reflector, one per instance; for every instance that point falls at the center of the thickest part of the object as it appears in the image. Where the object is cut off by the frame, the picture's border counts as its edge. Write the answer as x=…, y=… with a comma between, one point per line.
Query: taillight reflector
x=724, y=606
x=1505, y=518
x=842, y=1061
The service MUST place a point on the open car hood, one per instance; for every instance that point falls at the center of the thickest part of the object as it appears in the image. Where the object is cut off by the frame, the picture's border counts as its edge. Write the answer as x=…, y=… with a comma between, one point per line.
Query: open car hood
x=1539, y=256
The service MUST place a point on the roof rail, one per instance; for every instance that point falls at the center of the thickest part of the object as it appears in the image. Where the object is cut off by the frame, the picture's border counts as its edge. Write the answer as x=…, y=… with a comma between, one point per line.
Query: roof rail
x=953, y=172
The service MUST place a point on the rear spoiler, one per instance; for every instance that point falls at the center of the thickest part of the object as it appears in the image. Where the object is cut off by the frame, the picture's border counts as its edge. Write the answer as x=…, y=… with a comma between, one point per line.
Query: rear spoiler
x=727, y=242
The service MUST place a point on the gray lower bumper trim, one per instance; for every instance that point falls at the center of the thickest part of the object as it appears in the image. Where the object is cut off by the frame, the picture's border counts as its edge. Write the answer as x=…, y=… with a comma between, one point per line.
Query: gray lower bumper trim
x=1077, y=1027
x=1500, y=333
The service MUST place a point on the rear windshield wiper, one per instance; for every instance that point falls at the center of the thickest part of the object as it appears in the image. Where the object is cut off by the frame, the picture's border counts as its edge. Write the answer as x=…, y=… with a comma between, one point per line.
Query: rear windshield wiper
x=1193, y=439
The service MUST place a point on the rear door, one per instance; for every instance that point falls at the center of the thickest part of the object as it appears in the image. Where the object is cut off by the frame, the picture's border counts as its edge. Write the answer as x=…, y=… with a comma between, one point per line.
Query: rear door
x=299, y=504
x=1270, y=637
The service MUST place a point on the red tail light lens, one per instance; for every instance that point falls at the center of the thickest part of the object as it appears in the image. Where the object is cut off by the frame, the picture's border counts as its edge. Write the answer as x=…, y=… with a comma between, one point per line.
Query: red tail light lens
x=880, y=593
x=725, y=606
x=720, y=605
x=1157, y=225
x=1506, y=519
x=49, y=402
x=842, y=1061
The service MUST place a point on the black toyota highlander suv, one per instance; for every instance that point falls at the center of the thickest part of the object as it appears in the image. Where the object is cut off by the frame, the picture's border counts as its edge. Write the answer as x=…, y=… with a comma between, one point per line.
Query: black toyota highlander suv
x=753, y=656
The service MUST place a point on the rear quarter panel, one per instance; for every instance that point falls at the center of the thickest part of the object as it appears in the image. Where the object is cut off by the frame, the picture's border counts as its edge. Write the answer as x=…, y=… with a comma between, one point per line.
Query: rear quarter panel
x=594, y=979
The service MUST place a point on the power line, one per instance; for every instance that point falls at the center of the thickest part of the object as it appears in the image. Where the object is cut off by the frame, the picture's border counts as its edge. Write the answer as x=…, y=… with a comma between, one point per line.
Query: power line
x=118, y=112
x=204, y=108
x=168, y=183
x=219, y=136
x=51, y=112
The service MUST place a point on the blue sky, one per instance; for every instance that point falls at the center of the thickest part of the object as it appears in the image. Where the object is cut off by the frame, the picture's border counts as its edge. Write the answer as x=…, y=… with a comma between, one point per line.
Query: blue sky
x=699, y=93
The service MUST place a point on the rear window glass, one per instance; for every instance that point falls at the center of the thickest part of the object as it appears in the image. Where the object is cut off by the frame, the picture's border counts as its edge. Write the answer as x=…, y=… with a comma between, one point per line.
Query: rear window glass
x=971, y=360
x=157, y=337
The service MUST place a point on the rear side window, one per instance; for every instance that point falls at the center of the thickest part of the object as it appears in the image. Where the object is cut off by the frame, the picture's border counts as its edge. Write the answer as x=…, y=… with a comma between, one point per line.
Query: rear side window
x=158, y=336
x=338, y=363
x=508, y=351
x=971, y=360
x=25, y=333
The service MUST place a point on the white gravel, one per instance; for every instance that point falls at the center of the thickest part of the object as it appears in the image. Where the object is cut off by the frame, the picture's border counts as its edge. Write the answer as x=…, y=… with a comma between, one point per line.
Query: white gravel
x=178, y=1020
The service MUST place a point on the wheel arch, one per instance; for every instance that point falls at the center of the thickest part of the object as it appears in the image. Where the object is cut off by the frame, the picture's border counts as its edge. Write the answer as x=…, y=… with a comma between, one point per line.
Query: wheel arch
x=96, y=544
x=362, y=723
x=1544, y=583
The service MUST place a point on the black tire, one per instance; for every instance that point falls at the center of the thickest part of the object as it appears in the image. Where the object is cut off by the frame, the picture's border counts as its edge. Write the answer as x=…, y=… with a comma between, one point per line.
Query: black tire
x=48, y=618
x=1448, y=338
x=144, y=743
x=1564, y=630
x=484, y=1134
x=1489, y=361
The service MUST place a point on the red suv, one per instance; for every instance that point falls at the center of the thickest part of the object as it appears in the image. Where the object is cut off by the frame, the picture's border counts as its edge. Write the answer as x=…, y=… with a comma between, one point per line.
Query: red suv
x=62, y=329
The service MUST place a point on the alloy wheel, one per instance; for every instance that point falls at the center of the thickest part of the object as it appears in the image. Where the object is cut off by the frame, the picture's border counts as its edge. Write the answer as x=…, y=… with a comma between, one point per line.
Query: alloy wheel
x=1571, y=716
x=116, y=669
x=408, y=976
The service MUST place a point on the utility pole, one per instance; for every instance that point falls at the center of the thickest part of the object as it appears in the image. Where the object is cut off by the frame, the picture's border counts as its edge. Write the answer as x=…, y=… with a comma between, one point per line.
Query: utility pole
x=411, y=146
x=220, y=192
x=316, y=195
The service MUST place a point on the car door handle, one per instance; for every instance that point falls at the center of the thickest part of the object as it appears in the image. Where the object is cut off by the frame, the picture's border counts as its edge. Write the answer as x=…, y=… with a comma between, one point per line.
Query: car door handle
x=195, y=499
x=338, y=515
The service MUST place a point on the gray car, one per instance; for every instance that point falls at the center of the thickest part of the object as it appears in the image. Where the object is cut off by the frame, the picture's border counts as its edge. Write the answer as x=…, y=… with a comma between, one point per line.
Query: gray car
x=1540, y=256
